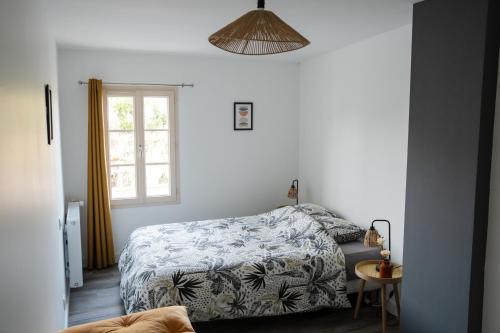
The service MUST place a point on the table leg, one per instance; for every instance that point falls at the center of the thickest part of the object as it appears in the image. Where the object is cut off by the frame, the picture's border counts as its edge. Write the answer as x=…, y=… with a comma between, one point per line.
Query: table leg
x=360, y=298
x=384, y=311
x=396, y=296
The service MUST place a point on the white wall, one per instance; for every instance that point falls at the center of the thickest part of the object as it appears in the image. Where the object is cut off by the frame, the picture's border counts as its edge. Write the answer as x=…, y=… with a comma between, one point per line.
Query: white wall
x=222, y=172
x=354, y=130
x=31, y=197
x=491, y=302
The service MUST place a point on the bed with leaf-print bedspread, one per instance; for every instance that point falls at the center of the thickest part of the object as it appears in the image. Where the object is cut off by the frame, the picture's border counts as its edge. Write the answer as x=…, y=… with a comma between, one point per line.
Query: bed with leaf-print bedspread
x=283, y=261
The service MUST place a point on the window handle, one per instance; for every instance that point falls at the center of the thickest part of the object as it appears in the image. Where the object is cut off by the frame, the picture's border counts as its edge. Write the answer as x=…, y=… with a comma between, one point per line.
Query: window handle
x=141, y=150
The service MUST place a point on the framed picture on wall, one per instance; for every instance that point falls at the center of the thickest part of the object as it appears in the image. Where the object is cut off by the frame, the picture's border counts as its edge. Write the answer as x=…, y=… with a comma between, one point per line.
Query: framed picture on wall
x=243, y=116
x=48, y=114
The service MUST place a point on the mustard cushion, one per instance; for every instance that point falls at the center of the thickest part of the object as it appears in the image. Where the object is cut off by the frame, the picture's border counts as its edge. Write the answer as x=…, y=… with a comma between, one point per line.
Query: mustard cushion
x=173, y=319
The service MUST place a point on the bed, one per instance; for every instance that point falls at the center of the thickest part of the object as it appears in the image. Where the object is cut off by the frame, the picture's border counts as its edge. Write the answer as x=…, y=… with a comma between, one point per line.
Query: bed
x=283, y=261
x=355, y=252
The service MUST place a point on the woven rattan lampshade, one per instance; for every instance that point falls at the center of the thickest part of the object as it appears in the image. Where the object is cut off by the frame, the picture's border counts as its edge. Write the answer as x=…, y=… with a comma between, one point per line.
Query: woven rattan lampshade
x=258, y=32
x=293, y=192
x=371, y=237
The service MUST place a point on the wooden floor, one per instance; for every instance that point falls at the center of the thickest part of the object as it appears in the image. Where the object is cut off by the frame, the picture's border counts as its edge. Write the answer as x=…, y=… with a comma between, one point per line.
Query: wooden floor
x=100, y=299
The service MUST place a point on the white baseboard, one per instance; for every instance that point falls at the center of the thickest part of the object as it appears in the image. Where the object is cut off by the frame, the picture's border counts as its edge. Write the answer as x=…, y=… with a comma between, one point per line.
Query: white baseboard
x=66, y=306
x=391, y=304
x=391, y=307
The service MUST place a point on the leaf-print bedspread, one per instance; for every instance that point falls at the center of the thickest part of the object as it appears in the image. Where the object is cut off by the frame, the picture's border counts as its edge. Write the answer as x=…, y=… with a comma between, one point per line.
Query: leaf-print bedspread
x=269, y=264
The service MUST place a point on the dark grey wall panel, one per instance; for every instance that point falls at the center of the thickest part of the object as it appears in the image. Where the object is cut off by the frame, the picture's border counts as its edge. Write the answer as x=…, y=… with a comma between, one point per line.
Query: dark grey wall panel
x=454, y=66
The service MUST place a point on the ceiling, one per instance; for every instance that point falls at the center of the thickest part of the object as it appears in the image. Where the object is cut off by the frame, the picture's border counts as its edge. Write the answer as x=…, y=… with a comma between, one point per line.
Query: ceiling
x=183, y=26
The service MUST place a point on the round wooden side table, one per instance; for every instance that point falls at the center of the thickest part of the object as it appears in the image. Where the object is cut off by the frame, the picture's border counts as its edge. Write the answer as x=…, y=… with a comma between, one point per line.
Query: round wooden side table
x=366, y=271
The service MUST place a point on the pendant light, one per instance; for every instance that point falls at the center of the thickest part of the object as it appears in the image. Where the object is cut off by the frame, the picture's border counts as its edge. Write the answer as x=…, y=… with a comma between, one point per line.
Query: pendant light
x=258, y=32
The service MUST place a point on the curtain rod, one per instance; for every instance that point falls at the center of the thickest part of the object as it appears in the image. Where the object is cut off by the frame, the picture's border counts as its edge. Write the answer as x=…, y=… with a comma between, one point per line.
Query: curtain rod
x=182, y=85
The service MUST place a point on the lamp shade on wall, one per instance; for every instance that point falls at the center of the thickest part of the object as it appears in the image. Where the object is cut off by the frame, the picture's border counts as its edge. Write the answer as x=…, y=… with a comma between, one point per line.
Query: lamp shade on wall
x=293, y=192
x=371, y=237
x=372, y=234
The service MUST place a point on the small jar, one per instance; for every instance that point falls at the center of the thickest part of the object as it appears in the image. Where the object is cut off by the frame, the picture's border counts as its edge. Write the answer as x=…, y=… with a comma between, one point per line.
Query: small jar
x=385, y=269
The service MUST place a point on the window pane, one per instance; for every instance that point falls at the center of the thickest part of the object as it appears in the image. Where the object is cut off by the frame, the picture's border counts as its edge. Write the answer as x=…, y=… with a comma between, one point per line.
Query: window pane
x=121, y=148
x=156, y=146
x=155, y=112
x=157, y=180
x=122, y=182
x=121, y=113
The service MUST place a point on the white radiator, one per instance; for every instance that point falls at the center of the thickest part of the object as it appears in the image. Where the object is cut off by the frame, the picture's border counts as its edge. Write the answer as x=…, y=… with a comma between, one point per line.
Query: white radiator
x=74, y=245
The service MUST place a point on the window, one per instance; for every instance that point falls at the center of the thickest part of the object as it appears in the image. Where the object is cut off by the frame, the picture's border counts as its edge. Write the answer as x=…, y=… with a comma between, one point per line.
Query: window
x=141, y=145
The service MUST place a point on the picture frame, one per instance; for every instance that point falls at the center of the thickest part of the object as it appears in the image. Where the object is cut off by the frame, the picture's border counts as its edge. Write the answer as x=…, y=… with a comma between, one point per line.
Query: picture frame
x=243, y=116
x=48, y=114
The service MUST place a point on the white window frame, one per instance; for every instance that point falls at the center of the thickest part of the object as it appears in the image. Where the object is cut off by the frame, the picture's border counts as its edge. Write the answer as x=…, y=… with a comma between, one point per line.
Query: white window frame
x=138, y=93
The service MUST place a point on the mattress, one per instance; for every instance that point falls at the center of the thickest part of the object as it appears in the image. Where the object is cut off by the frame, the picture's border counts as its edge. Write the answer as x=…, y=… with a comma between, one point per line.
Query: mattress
x=355, y=252
x=262, y=265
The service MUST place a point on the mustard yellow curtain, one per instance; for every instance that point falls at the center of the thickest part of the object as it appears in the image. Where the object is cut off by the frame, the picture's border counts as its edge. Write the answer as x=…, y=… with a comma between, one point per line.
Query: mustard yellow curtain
x=100, y=247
